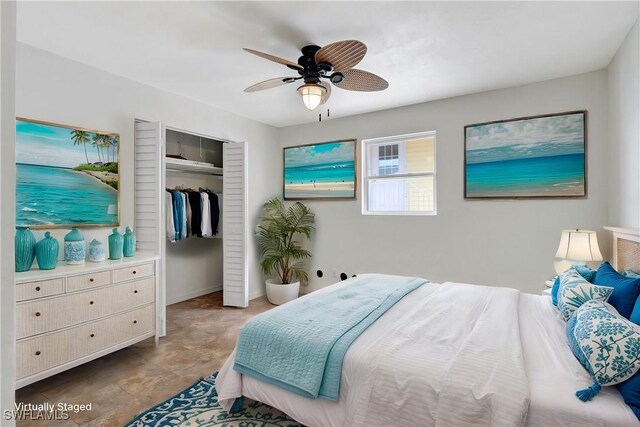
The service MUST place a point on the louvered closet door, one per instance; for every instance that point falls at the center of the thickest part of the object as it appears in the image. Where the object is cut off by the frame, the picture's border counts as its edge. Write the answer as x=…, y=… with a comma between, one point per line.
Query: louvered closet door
x=234, y=217
x=147, y=187
x=149, y=203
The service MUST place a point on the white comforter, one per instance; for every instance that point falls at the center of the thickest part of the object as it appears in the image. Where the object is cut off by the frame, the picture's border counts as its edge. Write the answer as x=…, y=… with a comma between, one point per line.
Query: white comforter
x=446, y=354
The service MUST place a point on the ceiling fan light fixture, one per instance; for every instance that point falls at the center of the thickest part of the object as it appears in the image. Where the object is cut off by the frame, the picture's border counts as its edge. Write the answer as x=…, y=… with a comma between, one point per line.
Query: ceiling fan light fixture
x=312, y=95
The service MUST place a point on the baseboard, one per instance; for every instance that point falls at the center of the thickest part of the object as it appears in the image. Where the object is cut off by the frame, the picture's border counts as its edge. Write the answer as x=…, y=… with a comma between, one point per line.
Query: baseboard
x=194, y=294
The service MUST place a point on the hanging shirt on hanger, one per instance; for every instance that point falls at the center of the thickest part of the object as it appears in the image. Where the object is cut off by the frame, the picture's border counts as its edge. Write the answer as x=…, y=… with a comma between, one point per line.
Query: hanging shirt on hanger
x=219, y=233
x=178, y=213
x=188, y=212
x=206, y=215
x=196, y=213
x=215, y=211
x=169, y=226
x=183, y=227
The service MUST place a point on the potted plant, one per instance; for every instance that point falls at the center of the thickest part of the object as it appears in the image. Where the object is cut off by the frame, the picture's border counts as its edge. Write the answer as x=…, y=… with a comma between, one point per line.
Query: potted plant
x=280, y=249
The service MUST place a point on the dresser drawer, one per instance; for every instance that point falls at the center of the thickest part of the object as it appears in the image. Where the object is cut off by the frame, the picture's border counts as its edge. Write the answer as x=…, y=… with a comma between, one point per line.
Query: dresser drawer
x=39, y=316
x=135, y=272
x=96, y=336
x=43, y=288
x=88, y=281
x=41, y=353
x=48, y=351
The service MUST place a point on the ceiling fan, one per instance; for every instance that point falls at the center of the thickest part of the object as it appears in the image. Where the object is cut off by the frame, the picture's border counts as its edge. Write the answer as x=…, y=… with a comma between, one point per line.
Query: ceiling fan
x=320, y=65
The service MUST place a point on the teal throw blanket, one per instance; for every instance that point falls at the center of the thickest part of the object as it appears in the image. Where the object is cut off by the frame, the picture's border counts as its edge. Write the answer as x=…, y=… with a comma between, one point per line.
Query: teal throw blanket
x=300, y=346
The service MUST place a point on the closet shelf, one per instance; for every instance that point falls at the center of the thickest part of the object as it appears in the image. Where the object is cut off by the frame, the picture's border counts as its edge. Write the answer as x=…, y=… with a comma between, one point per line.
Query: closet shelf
x=192, y=166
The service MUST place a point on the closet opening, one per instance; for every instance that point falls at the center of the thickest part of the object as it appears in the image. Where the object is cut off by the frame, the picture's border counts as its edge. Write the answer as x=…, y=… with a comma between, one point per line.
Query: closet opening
x=193, y=197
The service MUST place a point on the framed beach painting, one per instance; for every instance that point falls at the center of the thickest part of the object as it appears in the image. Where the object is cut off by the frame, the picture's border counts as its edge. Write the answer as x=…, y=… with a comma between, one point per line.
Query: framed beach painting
x=65, y=176
x=320, y=171
x=528, y=157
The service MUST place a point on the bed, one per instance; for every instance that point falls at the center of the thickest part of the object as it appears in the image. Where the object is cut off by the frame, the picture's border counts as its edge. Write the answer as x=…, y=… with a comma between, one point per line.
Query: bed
x=453, y=354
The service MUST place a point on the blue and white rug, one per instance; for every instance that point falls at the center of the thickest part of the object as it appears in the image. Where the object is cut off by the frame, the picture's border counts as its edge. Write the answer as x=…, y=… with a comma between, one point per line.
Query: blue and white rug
x=198, y=406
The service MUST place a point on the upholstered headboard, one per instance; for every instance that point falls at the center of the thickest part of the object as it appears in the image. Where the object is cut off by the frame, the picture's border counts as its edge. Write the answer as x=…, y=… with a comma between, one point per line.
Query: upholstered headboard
x=626, y=248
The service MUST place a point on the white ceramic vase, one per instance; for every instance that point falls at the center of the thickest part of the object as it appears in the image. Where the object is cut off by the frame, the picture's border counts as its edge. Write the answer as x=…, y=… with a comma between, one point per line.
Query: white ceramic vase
x=278, y=294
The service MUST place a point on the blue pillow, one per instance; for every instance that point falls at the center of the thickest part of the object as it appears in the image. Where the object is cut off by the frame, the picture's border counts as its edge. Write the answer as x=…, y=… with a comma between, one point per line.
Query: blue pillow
x=609, y=343
x=635, y=313
x=575, y=291
x=584, y=271
x=630, y=391
x=625, y=289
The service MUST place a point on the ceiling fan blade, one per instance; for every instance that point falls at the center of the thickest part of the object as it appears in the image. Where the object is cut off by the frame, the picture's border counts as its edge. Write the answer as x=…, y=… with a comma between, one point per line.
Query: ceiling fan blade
x=342, y=55
x=270, y=57
x=327, y=94
x=362, y=81
x=268, y=84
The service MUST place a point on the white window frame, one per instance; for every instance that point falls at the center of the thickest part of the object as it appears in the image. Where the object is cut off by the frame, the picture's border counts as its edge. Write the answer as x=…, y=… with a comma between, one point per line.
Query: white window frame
x=397, y=139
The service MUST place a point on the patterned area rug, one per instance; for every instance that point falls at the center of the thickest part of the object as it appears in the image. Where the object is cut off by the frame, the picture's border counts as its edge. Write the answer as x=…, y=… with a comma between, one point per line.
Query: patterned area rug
x=198, y=406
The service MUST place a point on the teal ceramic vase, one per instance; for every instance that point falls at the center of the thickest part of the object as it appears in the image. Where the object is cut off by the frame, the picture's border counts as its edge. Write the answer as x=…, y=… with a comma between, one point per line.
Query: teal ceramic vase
x=129, y=248
x=75, y=249
x=115, y=245
x=47, y=252
x=96, y=251
x=25, y=249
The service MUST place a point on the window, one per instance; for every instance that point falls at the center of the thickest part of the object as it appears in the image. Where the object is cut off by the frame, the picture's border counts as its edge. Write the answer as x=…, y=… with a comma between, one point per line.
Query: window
x=399, y=175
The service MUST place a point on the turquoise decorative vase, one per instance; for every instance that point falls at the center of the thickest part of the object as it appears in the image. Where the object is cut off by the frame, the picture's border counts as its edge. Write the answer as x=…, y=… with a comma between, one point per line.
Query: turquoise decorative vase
x=96, y=251
x=115, y=245
x=75, y=249
x=25, y=249
x=129, y=248
x=47, y=252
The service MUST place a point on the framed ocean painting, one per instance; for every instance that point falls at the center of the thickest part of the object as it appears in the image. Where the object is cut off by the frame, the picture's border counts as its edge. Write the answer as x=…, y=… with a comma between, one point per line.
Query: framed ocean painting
x=528, y=157
x=65, y=176
x=320, y=171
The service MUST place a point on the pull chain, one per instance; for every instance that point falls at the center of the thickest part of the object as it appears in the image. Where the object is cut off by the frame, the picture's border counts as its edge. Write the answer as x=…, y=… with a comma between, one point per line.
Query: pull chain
x=320, y=115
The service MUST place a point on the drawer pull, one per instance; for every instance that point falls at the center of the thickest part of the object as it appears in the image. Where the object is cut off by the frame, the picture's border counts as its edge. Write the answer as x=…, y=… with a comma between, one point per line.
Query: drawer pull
x=37, y=314
x=134, y=272
x=91, y=279
x=92, y=335
x=38, y=353
x=90, y=302
x=135, y=321
x=37, y=288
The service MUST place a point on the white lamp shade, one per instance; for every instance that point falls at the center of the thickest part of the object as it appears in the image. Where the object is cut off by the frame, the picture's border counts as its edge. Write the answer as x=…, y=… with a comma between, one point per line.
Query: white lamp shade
x=579, y=245
x=311, y=95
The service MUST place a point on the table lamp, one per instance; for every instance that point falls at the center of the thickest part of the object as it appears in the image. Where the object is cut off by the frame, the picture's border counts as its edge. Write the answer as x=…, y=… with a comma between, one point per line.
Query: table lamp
x=577, y=247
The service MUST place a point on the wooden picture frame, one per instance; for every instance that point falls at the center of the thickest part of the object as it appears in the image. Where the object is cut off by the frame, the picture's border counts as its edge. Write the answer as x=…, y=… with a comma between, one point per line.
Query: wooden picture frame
x=542, y=156
x=322, y=171
x=66, y=176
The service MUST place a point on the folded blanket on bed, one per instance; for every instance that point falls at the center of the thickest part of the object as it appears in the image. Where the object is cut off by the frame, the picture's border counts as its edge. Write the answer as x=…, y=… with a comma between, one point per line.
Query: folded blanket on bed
x=300, y=346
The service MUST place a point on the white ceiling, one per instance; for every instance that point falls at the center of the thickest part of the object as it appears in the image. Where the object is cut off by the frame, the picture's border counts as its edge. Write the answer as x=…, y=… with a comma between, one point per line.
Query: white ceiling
x=425, y=50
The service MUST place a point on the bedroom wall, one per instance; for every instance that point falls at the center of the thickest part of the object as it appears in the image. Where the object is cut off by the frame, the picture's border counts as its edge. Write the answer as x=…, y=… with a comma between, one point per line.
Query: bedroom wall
x=56, y=89
x=624, y=133
x=493, y=242
x=7, y=213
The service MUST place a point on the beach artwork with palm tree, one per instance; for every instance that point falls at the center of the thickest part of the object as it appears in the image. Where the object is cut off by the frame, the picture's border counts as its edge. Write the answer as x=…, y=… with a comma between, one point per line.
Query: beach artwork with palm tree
x=65, y=176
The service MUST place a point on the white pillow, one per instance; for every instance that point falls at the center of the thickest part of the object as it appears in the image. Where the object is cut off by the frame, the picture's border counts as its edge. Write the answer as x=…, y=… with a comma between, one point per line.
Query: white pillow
x=608, y=345
x=575, y=290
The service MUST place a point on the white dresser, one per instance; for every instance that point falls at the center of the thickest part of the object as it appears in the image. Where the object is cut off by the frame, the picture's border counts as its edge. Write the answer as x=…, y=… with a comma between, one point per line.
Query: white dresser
x=77, y=313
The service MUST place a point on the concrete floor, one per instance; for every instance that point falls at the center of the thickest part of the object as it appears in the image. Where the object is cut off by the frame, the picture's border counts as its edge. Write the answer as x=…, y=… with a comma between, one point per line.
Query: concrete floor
x=201, y=334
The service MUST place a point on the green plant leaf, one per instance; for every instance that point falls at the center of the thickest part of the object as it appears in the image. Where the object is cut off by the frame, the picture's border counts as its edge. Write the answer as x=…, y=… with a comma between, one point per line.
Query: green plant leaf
x=277, y=236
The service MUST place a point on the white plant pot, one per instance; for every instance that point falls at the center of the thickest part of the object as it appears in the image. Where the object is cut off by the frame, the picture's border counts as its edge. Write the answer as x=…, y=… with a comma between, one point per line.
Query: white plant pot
x=278, y=294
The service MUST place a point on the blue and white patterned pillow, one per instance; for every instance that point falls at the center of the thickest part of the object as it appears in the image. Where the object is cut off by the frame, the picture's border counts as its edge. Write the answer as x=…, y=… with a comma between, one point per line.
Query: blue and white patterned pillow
x=608, y=343
x=574, y=291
